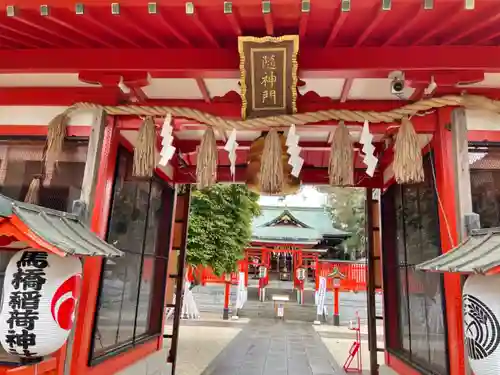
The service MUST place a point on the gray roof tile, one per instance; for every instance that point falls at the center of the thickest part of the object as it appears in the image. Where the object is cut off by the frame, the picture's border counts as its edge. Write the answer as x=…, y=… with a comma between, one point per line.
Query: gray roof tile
x=480, y=253
x=60, y=229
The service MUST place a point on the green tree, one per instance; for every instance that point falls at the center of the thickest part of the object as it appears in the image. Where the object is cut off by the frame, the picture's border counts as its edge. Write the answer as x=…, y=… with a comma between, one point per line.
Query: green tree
x=346, y=207
x=220, y=226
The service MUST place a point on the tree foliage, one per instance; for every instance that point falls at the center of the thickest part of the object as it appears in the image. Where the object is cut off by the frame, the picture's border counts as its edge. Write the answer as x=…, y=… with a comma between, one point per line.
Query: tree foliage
x=346, y=207
x=220, y=226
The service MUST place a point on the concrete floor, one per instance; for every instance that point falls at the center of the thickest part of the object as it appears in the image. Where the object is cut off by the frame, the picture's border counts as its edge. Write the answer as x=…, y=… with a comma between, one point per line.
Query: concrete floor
x=265, y=347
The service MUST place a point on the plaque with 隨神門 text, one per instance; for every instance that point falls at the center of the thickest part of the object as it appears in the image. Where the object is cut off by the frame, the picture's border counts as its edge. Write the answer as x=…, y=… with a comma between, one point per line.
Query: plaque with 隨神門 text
x=268, y=75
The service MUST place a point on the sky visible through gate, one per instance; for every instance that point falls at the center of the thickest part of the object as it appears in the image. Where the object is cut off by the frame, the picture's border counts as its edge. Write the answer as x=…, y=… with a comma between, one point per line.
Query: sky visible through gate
x=308, y=196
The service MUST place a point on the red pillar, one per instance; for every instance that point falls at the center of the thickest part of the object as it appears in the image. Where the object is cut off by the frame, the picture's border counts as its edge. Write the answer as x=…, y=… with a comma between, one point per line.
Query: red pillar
x=445, y=184
x=227, y=292
x=336, y=315
x=92, y=265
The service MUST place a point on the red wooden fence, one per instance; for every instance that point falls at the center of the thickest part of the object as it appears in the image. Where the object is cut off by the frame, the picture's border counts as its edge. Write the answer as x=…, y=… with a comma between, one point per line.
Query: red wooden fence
x=205, y=275
x=355, y=275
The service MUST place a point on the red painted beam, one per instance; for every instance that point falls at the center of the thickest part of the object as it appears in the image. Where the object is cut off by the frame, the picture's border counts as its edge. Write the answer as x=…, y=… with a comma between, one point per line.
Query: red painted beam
x=443, y=25
x=35, y=4
x=418, y=93
x=373, y=24
x=304, y=18
x=487, y=38
x=268, y=20
x=308, y=175
x=337, y=25
x=344, y=95
x=111, y=94
x=41, y=131
x=42, y=40
x=407, y=25
x=492, y=20
x=17, y=42
x=37, y=25
x=483, y=136
x=203, y=28
x=142, y=29
x=139, y=94
x=38, y=96
x=102, y=25
x=79, y=31
x=235, y=24
x=204, y=90
x=173, y=30
x=191, y=62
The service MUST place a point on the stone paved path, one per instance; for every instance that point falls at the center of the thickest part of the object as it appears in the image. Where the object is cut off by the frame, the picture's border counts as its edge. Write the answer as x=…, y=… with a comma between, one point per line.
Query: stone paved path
x=267, y=347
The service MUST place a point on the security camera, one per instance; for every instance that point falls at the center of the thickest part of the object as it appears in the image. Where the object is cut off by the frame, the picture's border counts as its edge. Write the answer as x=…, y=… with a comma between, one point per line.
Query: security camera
x=397, y=83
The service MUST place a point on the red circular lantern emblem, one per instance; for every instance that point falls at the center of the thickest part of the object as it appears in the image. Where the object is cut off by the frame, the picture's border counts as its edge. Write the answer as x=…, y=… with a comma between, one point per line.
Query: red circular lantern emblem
x=64, y=301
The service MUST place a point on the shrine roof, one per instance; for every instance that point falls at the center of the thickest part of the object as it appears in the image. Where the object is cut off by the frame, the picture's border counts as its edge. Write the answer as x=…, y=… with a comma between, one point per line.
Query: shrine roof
x=479, y=253
x=308, y=225
x=62, y=230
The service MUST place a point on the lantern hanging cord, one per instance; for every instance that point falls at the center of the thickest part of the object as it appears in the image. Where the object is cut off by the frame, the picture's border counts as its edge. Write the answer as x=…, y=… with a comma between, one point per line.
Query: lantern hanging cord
x=418, y=108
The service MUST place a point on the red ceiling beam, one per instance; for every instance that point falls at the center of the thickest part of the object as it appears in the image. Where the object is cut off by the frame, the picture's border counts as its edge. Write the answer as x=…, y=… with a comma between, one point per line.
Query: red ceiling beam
x=102, y=25
x=344, y=95
x=442, y=25
x=142, y=29
x=308, y=175
x=18, y=42
x=268, y=20
x=337, y=25
x=172, y=29
x=488, y=38
x=79, y=31
x=204, y=90
x=373, y=24
x=35, y=24
x=35, y=4
x=28, y=35
x=404, y=27
x=50, y=96
x=492, y=20
x=41, y=131
x=225, y=62
x=139, y=94
x=196, y=20
x=417, y=94
x=235, y=24
x=304, y=18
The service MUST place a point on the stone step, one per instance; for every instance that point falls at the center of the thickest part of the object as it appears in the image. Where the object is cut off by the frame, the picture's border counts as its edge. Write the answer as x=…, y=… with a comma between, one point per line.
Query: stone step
x=255, y=309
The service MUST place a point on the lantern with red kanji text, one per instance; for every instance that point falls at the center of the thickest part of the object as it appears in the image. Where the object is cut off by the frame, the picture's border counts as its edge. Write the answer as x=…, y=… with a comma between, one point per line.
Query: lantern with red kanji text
x=39, y=298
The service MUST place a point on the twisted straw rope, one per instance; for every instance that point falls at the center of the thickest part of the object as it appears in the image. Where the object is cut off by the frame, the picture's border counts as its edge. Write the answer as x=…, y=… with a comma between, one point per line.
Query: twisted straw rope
x=477, y=102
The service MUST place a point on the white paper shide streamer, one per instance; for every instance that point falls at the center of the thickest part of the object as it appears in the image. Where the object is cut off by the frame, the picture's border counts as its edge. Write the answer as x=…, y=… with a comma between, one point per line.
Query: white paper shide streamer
x=293, y=149
x=231, y=146
x=368, y=149
x=167, y=150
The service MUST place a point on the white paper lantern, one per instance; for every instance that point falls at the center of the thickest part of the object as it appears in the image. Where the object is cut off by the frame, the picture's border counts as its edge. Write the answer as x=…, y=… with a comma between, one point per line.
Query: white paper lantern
x=481, y=310
x=301, y=274
x=40, y=293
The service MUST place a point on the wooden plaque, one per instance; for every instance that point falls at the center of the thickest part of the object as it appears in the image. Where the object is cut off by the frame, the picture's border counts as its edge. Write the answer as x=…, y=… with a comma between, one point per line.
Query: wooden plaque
x=268, y=68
